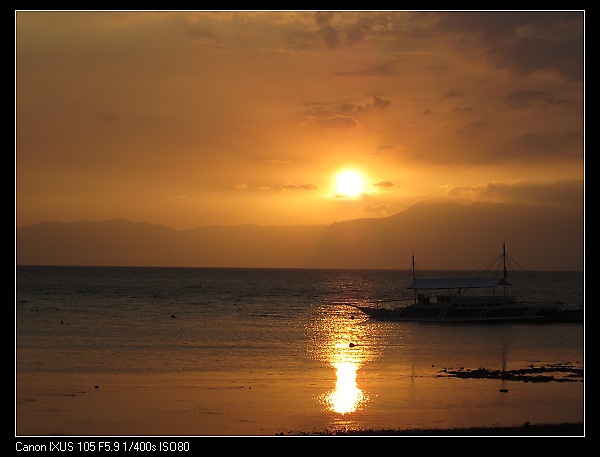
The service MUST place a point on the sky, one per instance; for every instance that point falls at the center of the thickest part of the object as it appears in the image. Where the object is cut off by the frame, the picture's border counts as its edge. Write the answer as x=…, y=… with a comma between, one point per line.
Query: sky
x=195, y=118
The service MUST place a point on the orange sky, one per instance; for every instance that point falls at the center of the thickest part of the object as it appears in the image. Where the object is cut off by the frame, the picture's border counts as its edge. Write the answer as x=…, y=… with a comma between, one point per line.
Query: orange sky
x=207, y=118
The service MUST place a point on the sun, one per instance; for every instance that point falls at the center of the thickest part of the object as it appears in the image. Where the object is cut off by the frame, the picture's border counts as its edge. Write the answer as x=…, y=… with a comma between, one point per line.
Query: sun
x=349, y=183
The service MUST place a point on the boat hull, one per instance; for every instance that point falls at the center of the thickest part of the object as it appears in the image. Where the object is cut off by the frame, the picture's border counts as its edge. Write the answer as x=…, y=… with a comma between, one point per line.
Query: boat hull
x=449, y=314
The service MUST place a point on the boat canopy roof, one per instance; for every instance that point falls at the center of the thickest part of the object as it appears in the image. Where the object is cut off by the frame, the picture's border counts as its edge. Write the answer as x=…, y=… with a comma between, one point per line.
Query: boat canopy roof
x=457, y=283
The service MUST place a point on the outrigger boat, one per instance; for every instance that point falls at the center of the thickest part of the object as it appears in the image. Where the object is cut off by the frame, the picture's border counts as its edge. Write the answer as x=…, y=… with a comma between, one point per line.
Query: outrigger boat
x=471, y=300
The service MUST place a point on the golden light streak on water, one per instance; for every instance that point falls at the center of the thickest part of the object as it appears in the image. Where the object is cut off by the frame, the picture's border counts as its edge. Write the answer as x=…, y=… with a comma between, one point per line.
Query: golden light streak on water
x=346, y=397
x=345, y=346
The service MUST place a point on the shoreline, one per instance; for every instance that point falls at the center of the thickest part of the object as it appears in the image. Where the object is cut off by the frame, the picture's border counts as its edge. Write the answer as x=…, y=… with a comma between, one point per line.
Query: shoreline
x=526, y=429
x=567, y=429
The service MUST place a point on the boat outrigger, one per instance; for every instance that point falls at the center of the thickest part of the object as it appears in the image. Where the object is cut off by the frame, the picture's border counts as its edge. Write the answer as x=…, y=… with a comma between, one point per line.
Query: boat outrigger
x=471, y=300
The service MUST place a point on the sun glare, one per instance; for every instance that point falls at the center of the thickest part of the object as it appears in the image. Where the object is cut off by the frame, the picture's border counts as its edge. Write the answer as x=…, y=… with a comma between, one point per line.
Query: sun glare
x=349, y=183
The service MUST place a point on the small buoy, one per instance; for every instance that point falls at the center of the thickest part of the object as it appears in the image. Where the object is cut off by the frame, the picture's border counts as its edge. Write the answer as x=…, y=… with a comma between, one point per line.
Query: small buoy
x=173, y=315
x=96, y=387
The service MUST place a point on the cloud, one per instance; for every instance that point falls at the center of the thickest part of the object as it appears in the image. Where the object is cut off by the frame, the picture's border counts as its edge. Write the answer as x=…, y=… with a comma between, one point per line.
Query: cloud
x=533, y=145
x=532, y=54
x=384, y=184
x=385, y=146
x=304, y=35
x=188, y=97
x=566, y=192
x=330, y=36
x=384, y=69
x=333, y=27
x=531, y=98
x=355, y=34
x=318, y=110
x=293, y=186
x=562, y=192
x=460, y=191
x=378, y=103
x=206, y=40
x=524, y=41
x=335, y=121
x=301, y=39
x=375, y=209
x=453, y=93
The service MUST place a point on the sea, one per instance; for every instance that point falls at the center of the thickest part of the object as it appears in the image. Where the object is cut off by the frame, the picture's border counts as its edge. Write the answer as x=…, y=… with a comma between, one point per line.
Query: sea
x=284, y=322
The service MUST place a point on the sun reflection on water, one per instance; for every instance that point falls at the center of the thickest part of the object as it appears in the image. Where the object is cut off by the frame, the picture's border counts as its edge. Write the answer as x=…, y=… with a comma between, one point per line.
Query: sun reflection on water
x=345, y=346
x=346, y=397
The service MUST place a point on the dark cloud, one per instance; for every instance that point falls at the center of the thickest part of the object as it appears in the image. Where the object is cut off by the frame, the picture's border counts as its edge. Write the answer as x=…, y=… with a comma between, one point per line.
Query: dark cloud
x=319, y=109
x=566, y=192
x=200, y=34
x=453, y=93
x=328, y=112
x=530, y=98
x=334, y=29
x=384, y=69
x=530, y=54
x=531, y=148
x=385, y=146
x=329, y=34
x=536, y=145
x=502, y=26
x=378, y=103
x=562, y=192
x=324, y=18
x=525, y=41
x=355, y=34
x=573, y=136
x=475, y=128
x=301, y=39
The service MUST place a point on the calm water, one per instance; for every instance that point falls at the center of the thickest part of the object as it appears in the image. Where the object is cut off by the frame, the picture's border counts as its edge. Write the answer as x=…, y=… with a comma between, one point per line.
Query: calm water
x=95, y=319
x=282, y=321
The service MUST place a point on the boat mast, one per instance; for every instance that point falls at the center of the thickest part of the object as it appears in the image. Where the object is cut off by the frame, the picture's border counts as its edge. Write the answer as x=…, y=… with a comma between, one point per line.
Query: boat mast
x=504, y=290
x=414, y=275
x=504, y=260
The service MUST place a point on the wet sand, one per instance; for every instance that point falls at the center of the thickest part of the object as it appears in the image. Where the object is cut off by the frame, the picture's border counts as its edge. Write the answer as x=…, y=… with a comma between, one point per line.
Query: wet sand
x=246, y=404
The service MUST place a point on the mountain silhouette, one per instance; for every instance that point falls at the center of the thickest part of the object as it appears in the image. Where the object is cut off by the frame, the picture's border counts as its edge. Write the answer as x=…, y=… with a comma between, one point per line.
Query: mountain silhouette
x=440, y=235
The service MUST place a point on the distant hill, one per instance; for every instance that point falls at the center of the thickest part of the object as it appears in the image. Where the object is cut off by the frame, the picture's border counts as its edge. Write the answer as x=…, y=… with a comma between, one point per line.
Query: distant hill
x=440, y=235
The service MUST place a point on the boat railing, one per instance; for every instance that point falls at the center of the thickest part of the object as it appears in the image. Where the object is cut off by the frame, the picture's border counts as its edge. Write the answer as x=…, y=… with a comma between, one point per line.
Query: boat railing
x=554, y=305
